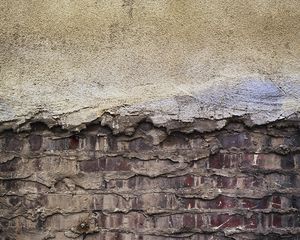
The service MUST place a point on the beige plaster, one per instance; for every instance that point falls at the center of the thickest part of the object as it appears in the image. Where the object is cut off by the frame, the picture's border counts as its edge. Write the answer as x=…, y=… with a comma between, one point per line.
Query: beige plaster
x=76, y=58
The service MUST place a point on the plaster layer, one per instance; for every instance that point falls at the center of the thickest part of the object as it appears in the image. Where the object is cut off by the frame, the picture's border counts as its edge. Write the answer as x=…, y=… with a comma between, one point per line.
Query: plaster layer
x=72, y=60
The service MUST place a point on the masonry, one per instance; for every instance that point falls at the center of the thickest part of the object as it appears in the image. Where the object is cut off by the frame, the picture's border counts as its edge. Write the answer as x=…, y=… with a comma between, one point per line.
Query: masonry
x=143, y=119
x=180, y=181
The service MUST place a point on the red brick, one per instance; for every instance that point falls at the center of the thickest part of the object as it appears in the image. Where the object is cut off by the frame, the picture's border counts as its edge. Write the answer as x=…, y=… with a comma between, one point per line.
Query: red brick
x=247, y=160
x=226, y=182
x=225, y=220
x=189, y=203
x=74, y=142
x=255, y=203
x=199, y=220
x=90, y=166
x=276, y=202
x=276, y=220
x=222, y=202
x=224, y=160
x=105, y=164
x=189, y=181
x=251, y=222
x=188, y=221
x=155, y=201
x=117, y=164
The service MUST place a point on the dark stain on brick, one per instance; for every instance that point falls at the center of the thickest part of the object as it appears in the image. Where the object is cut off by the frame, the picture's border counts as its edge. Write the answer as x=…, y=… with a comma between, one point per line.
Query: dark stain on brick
x=287, y=162
x=35, y=142
x=236, y=140
x=9, y=166
x=74, y=142
x=139, y=144
x=89, y=166
x=12, y=142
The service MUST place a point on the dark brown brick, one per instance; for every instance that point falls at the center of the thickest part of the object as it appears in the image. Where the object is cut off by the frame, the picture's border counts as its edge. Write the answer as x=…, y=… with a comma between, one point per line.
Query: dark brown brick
x=224, y=160
x=287, y=162
x=12, y=142
x=189, y=221
x=226, y=182
x=74, y=142
x=10, y=166
x=90, y=166
x=139, y=144
x=237, y=140
x=35, y=142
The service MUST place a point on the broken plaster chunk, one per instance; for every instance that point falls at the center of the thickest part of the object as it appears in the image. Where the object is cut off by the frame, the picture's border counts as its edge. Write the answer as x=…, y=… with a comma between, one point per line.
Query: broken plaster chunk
x=157, y=135
x=283, y=149
x=71, y=234
x=215, y=149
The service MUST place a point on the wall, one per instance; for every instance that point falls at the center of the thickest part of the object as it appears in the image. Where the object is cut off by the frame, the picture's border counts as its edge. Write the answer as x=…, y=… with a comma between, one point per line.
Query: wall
x=142, y=119
x=149, y=182
x=79, y=58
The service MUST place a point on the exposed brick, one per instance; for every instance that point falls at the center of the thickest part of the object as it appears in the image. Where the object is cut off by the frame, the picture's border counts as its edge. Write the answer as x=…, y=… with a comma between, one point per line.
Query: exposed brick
x=297, y=160
x=9, y=166
x=222, y=202
x=74, y=142
x=189, y=203
x=276, y=220
x=221, y=221
x=237, y=140
x=250, y=203
x=151, y=184
x=226, y=182
x=140, y=144
x=295, y=202
x=90, y=166
x=176, y=141
x=12, y=142
x=189, y=181
x=35, y=142
x=251, y=222
x=189, y=221
x=276, y=201
x=105, y=164
x=287, y=162
x=269, y=161
x=224, y=160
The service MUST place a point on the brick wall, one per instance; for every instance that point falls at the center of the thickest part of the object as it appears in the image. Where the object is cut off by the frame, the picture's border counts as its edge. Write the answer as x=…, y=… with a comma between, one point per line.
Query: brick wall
x=150, y=182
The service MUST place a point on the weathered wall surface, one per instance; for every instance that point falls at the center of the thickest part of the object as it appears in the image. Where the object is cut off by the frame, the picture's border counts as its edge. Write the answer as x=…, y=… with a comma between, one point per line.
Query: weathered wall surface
x=83, y=57
x=151, y=183
x=141, y=119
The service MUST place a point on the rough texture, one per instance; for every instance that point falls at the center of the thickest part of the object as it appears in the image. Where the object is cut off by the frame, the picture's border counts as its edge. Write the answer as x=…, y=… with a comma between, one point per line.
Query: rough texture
x=147, y=182
x=72, y=59
x=141, y=119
